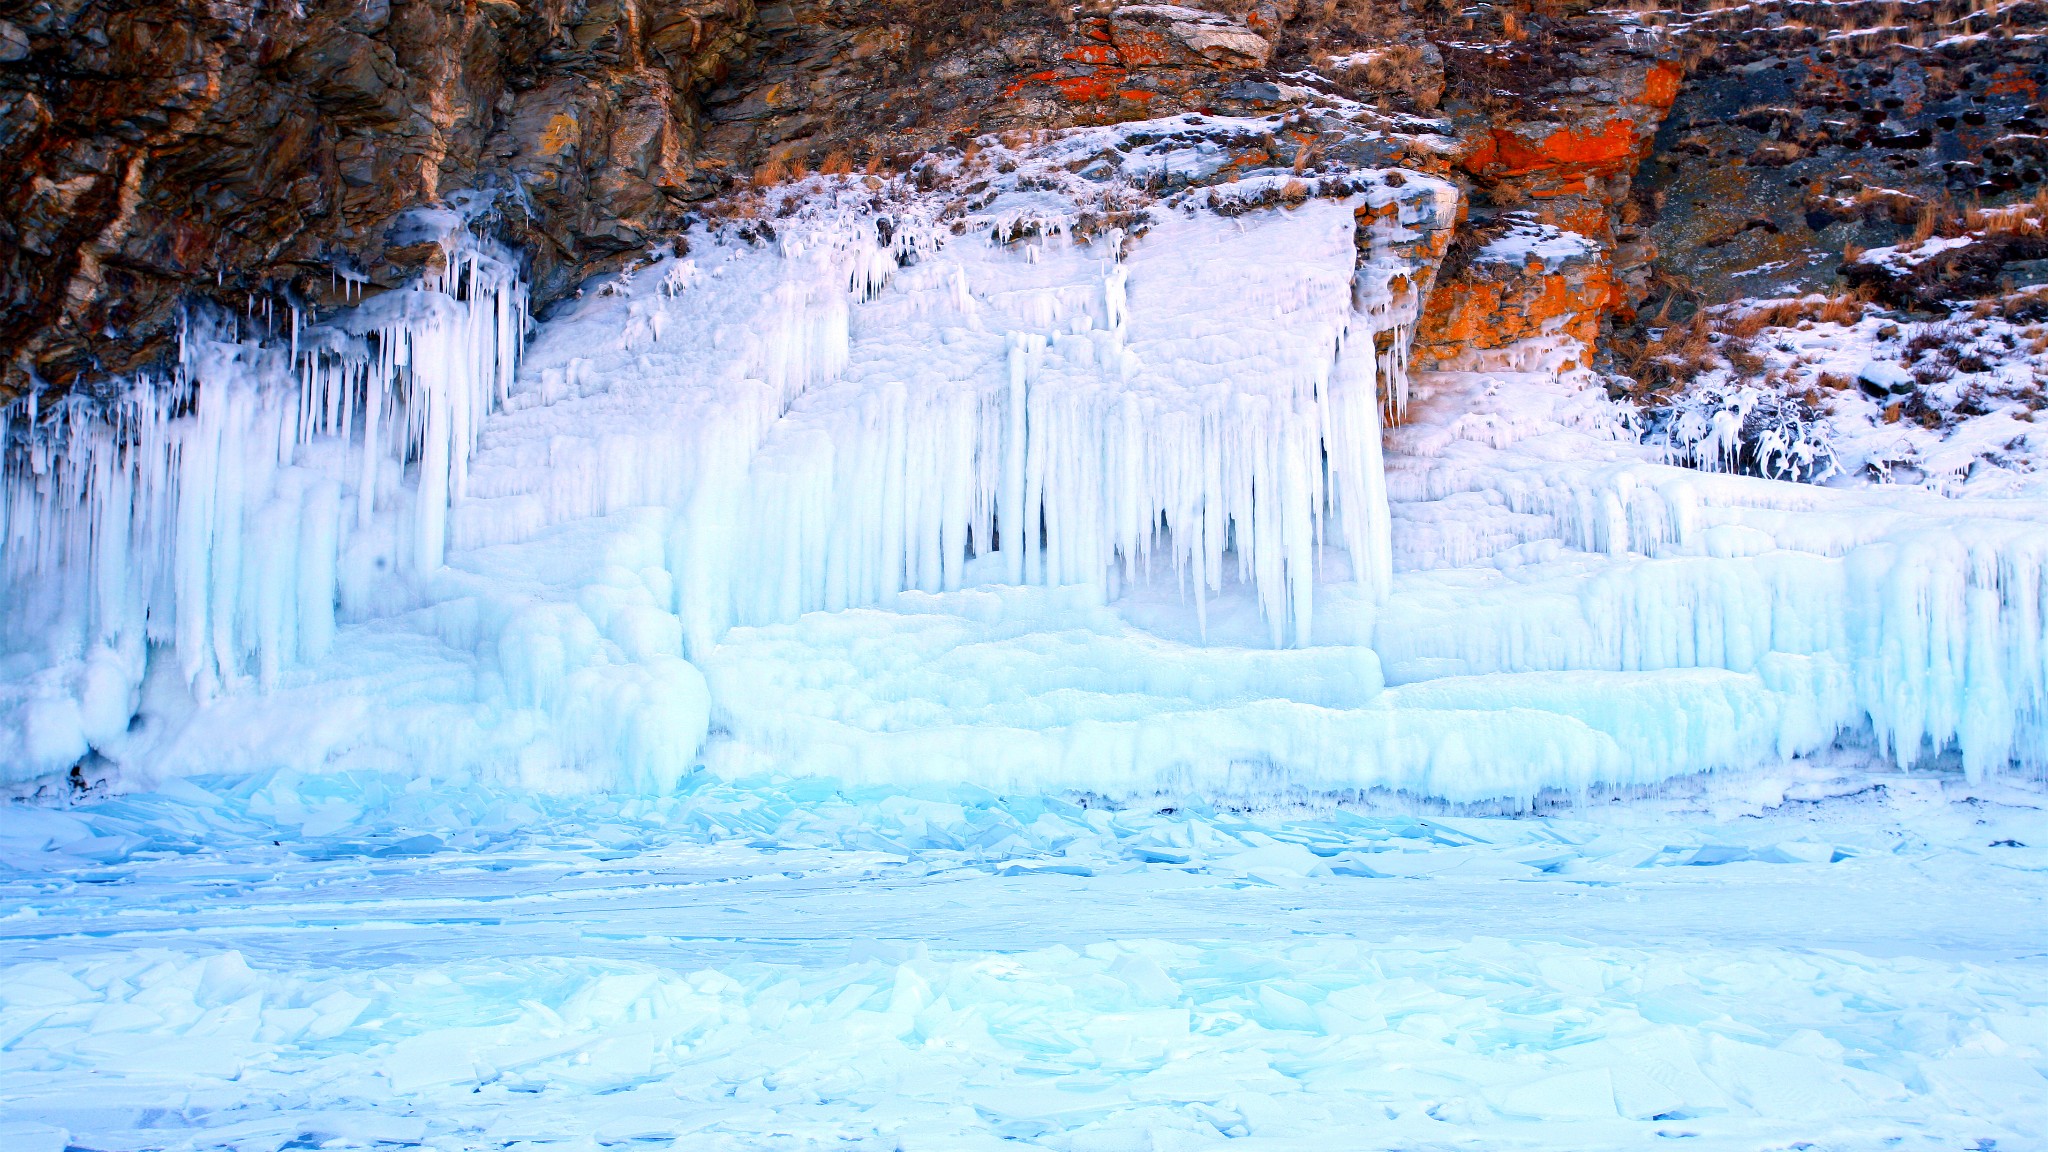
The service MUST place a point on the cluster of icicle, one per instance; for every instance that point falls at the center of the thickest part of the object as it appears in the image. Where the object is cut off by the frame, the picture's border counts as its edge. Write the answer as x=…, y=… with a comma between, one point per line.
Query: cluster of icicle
x=1225, y=435
x=1924, y=621
x=880, y=403
x=229, y=509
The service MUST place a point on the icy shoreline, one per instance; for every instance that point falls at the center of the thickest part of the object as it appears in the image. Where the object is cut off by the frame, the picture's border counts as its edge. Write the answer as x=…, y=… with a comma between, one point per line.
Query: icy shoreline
x=786, y=964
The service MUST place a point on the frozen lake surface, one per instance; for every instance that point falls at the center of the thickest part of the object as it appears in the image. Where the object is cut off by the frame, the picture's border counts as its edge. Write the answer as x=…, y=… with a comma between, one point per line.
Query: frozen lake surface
x=1833, y=958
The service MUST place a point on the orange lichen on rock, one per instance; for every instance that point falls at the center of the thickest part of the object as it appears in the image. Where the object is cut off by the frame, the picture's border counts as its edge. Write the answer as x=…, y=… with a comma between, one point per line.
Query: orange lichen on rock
x=1586, y=217
x=1498, y=308
x=1102, y=84
x=1604, y=150
x=2013, y=80
x=1565, y=162
x=1118, y=64
x=1660, y=84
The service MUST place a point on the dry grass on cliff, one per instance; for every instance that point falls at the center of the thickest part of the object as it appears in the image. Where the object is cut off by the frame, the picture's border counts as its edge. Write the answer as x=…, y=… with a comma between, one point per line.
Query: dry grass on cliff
x=1940, y=217
x=1678, y=352
x=1856, y=29
x=1747, y=322
x=1340, y=24
x=1926, y=216
x=1930, y=222
x=1388, y=67
x=1402, y=69
x=2026, y=218
x=1725, y=337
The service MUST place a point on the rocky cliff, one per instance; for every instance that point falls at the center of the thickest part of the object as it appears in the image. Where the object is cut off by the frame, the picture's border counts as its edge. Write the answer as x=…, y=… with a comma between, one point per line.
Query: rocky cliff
x=151, y=152
x=158, y=152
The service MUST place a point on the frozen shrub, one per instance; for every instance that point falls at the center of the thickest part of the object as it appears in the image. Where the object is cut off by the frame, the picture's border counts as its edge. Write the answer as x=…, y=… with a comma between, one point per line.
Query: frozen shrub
x=1743, y=429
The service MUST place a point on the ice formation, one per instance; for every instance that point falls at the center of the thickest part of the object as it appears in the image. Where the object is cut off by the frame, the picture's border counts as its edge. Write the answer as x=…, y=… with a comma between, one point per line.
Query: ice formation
x=1089, y=417
x=228, y=515
x=1034, y=489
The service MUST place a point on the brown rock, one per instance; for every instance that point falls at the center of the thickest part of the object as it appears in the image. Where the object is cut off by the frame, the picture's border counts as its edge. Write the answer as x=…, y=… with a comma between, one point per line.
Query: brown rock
x=168, y=149
x=163, y=150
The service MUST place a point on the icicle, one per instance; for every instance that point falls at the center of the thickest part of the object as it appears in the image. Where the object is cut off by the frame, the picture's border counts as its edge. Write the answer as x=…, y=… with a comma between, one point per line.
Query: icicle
x=373, y=443
x=1017, y=538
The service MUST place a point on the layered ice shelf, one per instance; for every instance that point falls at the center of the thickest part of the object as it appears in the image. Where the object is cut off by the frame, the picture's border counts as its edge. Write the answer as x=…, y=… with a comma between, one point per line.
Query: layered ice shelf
x=1000, y=475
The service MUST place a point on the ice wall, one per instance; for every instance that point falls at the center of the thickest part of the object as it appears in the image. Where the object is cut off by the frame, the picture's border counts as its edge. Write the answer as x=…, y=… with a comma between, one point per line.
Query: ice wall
x=1199, y=402
x=1089, y=417
x=1532, y=539
x=1566, y=613
x=1928, y=631
x=1032, y=484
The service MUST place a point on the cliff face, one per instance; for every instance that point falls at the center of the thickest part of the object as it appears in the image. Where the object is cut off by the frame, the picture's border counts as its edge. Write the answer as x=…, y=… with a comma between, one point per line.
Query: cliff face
x=151, y=151
x=1820, y=131
x=1553, y=124
x=164, y=150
